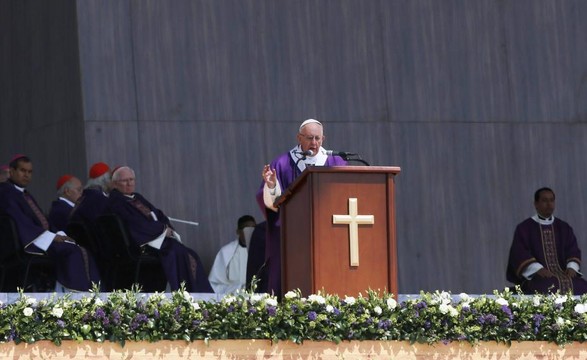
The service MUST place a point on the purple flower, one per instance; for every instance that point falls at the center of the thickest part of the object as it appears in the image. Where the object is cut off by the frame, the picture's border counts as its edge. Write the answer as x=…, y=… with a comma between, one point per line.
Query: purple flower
x=271, y=310
x=252, y=310
x=421, y=305
x=60, y=323
x=99, y=314
x=115, y=317
x=156, y=314
x=487, y=319
x=384, y=324
x=138, y=320
x=507, y=311
x=312, y=316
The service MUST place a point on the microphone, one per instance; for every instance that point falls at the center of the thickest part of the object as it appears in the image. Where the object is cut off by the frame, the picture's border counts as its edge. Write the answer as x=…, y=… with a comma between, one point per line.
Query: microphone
x=342, y=154
x=305, y=153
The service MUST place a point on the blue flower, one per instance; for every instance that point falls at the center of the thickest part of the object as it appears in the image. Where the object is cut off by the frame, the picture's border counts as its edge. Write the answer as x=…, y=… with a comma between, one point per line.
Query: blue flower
x=312, y=316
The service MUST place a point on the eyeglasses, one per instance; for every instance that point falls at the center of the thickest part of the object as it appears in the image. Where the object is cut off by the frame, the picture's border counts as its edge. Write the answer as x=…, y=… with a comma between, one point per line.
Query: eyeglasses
x=310, y=137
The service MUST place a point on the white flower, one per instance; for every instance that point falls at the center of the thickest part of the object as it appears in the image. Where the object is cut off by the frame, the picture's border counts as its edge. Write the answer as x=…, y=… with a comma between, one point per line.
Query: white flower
x=501, y=301
x=30, y=300
x=445, y=297
x=536, y=300
x=57, y=312
x=316, y=299
x=229, y=299
x=349, y=300
x=444, y=308
x=99, y=302
x=291, y=295
x=329, y=308
x=465, y=297
x=187, y=296
x=560, y=321
x=560, y=300
x=255, y=298
x=391, y=303
x=580, y=308
x=196, y=305
x=453, y=312
x=377, y=309
x=27, y=311
x=271, y=302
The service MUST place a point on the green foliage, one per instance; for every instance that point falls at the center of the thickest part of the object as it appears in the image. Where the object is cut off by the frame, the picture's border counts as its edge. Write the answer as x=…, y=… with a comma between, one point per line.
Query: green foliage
x=428, y=318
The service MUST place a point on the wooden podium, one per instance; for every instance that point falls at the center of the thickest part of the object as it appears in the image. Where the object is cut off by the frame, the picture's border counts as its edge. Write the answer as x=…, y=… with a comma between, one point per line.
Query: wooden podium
x=338, y=231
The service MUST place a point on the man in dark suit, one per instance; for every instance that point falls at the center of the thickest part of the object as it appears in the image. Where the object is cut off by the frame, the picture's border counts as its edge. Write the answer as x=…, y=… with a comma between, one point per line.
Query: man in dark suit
x=74, y=267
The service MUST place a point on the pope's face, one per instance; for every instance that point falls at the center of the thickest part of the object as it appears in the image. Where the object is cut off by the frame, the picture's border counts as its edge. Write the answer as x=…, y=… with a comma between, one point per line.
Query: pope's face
x=311, y=138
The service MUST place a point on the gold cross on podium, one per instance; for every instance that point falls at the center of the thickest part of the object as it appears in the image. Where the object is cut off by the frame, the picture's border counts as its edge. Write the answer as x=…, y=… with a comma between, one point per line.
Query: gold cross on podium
x=353, y=220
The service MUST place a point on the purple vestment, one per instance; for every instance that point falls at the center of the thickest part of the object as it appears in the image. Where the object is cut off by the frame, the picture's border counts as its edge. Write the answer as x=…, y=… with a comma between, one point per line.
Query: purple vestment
x=553, y=246
x=59, y=215
x=90, y=205
x=180, y=263
x=75, y=268
x=287, y=172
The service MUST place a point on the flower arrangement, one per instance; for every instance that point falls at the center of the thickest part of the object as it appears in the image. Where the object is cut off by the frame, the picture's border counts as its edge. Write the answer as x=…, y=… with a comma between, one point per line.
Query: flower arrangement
x=429, y=318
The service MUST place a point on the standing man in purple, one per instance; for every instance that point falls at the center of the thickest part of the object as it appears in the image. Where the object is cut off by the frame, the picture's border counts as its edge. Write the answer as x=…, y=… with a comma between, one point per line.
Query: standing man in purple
x=277, y=177
x=544, y=256
x=150, y=229
x=74, y=266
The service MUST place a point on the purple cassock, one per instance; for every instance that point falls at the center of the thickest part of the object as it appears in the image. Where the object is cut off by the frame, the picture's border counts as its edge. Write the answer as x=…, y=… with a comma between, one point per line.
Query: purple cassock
x=90, y=205
x=74, y=266
x=59, y=215
x=287, y=171
x=180, y=263
x=553, y=246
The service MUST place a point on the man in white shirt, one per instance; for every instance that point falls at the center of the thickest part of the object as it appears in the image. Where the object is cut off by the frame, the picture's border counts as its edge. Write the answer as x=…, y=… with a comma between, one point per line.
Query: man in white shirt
x=228, y=274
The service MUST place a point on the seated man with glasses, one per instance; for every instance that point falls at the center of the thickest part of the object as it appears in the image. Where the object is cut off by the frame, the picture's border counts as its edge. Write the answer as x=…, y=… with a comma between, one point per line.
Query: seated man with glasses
x=149, y=227
x=277, y=176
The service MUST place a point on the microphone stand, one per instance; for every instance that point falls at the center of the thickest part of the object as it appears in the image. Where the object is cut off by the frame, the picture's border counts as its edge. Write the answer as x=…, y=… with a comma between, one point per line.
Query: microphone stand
x=357, y=158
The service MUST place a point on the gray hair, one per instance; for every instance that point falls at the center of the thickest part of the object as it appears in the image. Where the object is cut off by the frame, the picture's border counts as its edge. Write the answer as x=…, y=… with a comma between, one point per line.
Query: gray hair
x=68, y=185
x=102, y=181
x=116, y=173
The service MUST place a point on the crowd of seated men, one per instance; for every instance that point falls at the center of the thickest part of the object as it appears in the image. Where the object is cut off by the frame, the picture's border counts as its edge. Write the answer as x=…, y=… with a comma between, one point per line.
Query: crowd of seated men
x=83, y=254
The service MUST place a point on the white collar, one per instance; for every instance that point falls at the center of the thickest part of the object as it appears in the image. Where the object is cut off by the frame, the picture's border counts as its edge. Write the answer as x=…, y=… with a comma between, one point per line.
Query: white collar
x=317, y=160
x=67, y=201
x=548, y=221
x=21, y=189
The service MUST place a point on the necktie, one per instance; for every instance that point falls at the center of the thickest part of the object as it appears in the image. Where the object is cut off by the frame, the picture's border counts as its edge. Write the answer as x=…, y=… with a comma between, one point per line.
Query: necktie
x=38, y=213
x=141, y=207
